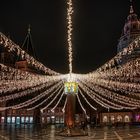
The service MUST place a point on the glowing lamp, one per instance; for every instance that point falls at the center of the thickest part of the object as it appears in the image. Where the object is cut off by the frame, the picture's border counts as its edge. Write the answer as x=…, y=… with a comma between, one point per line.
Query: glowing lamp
x=70, y=87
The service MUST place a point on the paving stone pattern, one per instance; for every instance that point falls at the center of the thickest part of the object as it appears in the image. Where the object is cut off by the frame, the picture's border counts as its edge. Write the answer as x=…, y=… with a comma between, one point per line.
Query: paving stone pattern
x=29, y=132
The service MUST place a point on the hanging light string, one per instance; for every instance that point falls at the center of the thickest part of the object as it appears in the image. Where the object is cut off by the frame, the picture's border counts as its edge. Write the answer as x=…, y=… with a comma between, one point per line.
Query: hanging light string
x=34, y=99
x=112, y=101
x=82, y=107
x=26, y=92
x=124, y=79
x=12, y=47
x=69, y=32
x=100, y=100
x=52, y=100
x=12, y=86
x=120, y=56
x=21, y=80
x=38, y=97
x=57, y=102
x=48, y=97
x=87, y=100
x=114, y=83
x=9, y=73
x=120, y=97
x=111, y=86
x=114, y=97
x=126, y=88
x=129, y=72
x=63, y=109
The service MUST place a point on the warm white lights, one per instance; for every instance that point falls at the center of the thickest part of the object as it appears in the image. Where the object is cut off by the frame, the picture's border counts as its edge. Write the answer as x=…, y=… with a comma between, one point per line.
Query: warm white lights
x=112, y=86
x=12, y=47
x=69, y=32
x=109, y=86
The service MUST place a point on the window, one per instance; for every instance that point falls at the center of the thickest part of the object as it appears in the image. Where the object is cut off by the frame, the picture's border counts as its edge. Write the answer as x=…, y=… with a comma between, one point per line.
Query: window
x=17, y=120
x=13, y=119
x=105, y=119
x=31, y=119
x=112, y=118
x=57, y=120
x=43, y=120
x=119, y=118
x=126, y=118
x=53, y=119
x=27, y=120
x=61, y=119
x=48, y=120
x=8, y=119
x=22, y=120
x=2, y=119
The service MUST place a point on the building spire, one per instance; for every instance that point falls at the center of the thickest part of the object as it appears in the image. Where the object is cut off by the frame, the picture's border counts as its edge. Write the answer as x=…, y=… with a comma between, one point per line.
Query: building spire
x=28, y=44
x=29, y=29
x=131, y=7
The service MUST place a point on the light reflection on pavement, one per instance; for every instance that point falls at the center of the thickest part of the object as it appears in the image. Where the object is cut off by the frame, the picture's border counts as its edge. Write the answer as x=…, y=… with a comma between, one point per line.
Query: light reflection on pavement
x=30, y=132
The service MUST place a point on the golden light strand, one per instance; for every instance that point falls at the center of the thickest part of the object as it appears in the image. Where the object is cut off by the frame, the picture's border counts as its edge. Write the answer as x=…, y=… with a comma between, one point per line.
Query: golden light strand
x=69, y=33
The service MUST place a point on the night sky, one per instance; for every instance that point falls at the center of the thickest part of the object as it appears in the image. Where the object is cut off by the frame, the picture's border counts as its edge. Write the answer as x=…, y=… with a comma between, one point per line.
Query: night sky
x=97, y=27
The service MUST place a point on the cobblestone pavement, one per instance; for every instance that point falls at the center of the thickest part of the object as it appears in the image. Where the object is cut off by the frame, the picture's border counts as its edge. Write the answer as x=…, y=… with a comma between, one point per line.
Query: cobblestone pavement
x=29, y=132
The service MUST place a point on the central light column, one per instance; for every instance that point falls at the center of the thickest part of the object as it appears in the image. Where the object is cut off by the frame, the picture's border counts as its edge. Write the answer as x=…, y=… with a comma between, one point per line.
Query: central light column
x=69, y=33
x=71, y=88
x=70, y=110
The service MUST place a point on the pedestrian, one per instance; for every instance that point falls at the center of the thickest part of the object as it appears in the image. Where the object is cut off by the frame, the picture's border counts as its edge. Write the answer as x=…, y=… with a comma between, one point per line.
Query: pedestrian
x=83, y=125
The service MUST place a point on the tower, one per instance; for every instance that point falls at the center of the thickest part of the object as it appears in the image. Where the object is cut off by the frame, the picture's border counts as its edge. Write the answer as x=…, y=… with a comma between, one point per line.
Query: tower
x=131, y=30
x=27, y=46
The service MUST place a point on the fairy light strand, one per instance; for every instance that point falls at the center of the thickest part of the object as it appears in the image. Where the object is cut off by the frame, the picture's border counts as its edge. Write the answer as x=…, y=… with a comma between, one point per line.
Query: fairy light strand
x=81, y=104
x=87, y=100
x=52, y=100
x=111, y=86
x=63, y=109
x=12, y=47
x=45, y=100
x=35, y=99
x=69, y=33
x=58, y=102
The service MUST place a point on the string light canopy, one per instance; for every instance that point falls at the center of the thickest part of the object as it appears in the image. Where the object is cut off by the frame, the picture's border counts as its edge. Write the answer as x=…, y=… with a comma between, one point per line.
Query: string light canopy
x=112, y=86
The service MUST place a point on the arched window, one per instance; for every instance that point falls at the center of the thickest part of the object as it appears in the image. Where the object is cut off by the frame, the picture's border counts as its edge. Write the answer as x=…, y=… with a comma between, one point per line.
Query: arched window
x=119, y=118
x=112, y=118
x=105, y=119
x=126, y=118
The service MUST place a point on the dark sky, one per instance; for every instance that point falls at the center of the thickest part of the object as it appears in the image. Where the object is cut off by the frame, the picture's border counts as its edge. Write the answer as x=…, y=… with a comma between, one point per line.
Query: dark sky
x=97, y=27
